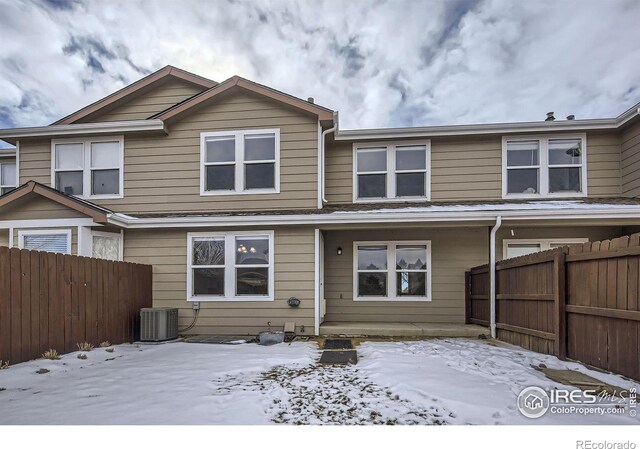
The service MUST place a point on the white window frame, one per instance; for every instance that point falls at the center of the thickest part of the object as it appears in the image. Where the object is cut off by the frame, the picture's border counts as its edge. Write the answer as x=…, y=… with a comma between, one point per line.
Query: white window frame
x=239, y=162
x=86, y=168
x=230, y=266
x=391, y=171
x=30, y=232
x=543, y=166
x=391, y=271
x=2, y=184
x=118, y=236
x=545, y=244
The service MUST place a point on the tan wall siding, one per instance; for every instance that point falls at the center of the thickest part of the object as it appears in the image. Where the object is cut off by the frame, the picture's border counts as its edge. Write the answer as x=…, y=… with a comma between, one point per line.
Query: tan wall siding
x=630, y=147
x=162, y=174
x=38, y=208
x=294, y=266
x=592, y=233
x=453, y=252
x=471, y=168
x=74, y=236
x=149, y=103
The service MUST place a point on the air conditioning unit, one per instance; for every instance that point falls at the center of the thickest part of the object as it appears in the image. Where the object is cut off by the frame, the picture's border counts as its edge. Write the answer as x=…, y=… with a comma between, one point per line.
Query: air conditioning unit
x=158, y=324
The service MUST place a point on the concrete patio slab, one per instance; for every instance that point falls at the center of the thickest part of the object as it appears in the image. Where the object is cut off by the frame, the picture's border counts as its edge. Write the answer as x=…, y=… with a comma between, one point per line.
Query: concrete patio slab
x=373, y=329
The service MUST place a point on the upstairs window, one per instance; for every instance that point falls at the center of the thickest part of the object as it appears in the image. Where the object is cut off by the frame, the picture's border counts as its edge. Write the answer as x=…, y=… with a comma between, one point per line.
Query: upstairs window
x=236, y=162
x=544, y=167
x=8, y=177
x=88, y=168
x=398, y=171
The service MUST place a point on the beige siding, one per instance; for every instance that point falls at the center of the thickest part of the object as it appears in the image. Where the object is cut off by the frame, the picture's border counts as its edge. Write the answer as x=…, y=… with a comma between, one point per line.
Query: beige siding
x=470, y=168
x=162, y=174
x=592, y=233
x=149, y=103
x=74, y=236
x=631, y=161
x=294, y=260
x=453, y=252
x=35, y=207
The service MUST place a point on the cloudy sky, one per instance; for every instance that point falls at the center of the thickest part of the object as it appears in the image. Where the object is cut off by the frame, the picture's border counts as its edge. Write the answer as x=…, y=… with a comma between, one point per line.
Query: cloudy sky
x=380, y=63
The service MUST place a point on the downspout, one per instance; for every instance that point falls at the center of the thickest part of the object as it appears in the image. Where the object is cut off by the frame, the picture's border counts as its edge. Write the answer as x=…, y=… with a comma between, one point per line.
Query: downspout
x=492, y=276
x=322, y=161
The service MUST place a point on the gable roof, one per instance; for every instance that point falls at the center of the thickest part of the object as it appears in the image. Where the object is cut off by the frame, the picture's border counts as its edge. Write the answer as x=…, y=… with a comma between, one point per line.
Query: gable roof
x=97, y=213
x=131, y=89
x=235, y=82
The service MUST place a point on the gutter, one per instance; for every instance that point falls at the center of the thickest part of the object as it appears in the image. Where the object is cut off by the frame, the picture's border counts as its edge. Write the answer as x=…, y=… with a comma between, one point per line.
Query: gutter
x=363, y=217
x=492, y=276
x=83, y=128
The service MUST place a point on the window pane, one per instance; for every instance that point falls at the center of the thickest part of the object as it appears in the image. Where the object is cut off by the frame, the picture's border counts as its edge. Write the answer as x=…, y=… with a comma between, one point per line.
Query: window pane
x=208, y=281
x=69, y=182
x=411, y=284
x=70, y=156
x=372, y=257
x=105, y=182
x=252, y=281
x=411, y=158
x=372, y=284
x=221, y=149
x=411, y=257
x=52, y=243
x=221, y=177
x=372, y=186
x=410, y=184
x=566, y=151
x=522, y=180
x=372, y=160
x=522, y=153
x=106, y=247
x=260, y=176
x=105, y=154
x=208, y=252
x=7, y=190
x=252, y=251
x=564, y=179
x=8, y=174
x=522, y=249
x=259, y=147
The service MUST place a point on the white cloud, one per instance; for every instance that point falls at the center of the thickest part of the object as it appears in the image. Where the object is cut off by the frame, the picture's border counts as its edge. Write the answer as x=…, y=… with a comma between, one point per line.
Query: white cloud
x=379, y=63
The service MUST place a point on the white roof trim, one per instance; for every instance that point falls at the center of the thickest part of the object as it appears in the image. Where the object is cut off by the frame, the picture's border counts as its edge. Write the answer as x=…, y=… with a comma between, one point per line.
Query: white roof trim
x=490, y=128
x=84, y=128
x=552, y=210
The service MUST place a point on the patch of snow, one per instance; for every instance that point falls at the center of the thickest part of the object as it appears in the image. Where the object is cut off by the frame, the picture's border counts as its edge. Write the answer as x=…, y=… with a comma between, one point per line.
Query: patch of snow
x=440, y=381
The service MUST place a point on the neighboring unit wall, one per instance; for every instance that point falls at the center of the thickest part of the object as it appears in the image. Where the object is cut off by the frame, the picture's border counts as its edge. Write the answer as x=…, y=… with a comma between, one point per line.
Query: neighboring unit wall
x=294, y=259
x=631, y=161
x=470, y=168
x=162, y=174
x=453, y=251
x=149, y=103
x=591, y=233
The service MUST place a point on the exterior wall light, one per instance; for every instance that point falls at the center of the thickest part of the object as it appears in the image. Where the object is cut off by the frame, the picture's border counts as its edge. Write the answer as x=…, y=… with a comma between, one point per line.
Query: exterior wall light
x=339, y=250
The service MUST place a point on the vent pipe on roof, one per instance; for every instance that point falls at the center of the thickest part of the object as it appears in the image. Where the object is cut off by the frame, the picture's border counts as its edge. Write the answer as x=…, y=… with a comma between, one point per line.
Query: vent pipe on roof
x=550, y=117
x=310, y=100
x=571, y=117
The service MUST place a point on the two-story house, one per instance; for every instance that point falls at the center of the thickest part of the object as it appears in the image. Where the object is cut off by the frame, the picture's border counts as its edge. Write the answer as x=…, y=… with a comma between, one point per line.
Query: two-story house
x=242, y=197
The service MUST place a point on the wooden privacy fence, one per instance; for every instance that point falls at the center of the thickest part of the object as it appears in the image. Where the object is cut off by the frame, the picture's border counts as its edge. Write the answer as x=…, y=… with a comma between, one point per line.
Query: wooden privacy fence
x=578, y=302
x=56, y=301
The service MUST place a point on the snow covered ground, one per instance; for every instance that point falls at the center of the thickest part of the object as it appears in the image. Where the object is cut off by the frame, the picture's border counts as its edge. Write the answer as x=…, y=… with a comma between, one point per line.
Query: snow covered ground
x=442, y=381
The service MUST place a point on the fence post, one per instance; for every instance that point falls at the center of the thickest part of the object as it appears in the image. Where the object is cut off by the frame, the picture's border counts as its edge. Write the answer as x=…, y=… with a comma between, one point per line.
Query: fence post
x=467, y=297
x=560, y=289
